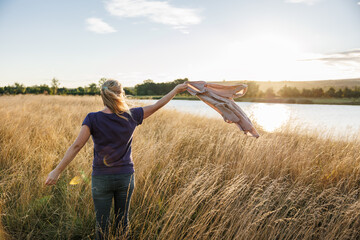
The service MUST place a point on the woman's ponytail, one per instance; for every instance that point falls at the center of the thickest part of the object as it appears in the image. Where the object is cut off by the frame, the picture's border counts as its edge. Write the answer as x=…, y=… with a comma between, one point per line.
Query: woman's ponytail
x=113, y=97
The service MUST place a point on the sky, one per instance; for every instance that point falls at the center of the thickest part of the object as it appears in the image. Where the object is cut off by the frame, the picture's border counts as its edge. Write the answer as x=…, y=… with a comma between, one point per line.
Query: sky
x=80, y=41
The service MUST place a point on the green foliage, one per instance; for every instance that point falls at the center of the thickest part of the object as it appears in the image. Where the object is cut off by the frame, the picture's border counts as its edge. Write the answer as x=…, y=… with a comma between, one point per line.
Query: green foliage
x=252, y=90
x=93, y=89
x=129, y=91
x=54, y=86
x=149, y=87
x=289, y=92
x=330, y=92
x=62, y=91
x=318, y=92
x=269, y=93
x=80, y=91
x=19, y=88
x=339, y=93
x=101, y=81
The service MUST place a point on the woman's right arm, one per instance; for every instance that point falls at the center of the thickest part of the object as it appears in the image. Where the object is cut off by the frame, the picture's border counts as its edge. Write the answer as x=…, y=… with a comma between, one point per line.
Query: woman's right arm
x=148, y=110
x=70, y=154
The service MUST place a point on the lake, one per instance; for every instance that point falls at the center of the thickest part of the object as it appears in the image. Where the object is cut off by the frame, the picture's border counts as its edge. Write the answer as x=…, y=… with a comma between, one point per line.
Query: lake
x=338, y=121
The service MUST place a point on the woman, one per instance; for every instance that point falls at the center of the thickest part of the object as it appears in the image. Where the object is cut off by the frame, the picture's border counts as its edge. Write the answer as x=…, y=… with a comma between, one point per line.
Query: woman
x=113, y=172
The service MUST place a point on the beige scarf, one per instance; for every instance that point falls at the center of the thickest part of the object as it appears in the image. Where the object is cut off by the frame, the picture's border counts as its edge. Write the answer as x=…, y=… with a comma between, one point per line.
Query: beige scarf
x=220, y=97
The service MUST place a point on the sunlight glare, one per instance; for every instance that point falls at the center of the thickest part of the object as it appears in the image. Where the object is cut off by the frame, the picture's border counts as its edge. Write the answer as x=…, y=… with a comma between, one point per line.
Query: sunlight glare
x=266, y=57
x=76, y=180
x=270, y=116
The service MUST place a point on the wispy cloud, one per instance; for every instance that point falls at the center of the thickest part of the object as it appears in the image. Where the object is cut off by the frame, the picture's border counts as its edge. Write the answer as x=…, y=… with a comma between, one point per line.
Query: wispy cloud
x=156, y=11
x=349, y=58
x=308, y=2
x=97, y=25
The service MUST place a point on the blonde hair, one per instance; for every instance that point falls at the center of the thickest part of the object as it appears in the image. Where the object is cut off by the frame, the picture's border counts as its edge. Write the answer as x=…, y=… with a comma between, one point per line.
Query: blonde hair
x=113, y=97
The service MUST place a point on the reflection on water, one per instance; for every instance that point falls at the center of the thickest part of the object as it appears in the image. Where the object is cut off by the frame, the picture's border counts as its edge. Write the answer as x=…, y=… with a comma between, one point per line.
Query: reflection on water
x=337, y=120
x=269, y=116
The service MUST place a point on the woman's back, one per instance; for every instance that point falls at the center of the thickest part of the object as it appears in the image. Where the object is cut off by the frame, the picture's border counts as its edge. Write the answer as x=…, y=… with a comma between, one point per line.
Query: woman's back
x=112, y=137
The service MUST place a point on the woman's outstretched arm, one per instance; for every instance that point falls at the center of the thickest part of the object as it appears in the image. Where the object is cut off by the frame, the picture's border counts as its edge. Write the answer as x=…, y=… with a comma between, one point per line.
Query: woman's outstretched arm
x=148, y=110
x=70, y=154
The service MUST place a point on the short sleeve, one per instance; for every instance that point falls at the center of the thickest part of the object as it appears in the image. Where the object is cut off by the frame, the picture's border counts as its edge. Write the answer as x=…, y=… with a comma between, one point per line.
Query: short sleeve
x=87, y=122
x=137, y=114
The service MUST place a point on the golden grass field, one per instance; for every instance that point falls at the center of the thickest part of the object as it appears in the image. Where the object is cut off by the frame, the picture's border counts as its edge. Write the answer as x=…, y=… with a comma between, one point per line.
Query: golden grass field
x=196, y=178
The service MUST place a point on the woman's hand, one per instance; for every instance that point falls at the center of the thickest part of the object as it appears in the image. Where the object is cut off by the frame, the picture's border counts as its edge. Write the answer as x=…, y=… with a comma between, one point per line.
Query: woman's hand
x=150, y=109
x=52, y=177
x=181, y=87
x=70, y=154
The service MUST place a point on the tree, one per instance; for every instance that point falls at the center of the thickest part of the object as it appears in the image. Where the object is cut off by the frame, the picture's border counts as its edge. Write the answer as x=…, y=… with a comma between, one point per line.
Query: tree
x=45, y=89
x=93, y=89
x=252, y=90
x=180, y=81
x=19, y=88
x=54, y=85
x=339, y=93
x=146, y=88
x=260, y=94
x=33, y=90
x=269, y=93
x=330, y=92
x=101, y=81
x=62, y=91
x=129, y=91
x=306, y=93
x=80, y=90
x=286, y=91
x=356, y=92
x=317, y=92
x=348, y=93
x=149, y=87
x=9, y=89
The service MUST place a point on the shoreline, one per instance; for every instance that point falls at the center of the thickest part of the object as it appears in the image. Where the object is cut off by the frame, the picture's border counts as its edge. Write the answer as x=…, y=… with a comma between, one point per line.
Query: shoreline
x=326, y=101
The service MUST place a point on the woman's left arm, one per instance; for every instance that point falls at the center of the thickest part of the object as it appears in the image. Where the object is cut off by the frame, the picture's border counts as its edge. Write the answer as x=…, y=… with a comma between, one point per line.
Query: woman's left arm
x=70, y=154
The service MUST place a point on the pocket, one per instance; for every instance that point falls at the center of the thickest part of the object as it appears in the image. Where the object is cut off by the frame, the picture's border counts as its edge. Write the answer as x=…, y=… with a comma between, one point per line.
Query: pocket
x=124, y=181
x=99, y=185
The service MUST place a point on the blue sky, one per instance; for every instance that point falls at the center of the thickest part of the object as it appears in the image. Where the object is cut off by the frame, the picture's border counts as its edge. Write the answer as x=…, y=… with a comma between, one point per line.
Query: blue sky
x=78, y=42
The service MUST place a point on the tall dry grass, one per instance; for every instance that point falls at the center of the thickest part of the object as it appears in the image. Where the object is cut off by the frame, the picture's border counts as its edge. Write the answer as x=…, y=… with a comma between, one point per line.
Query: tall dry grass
x=196, y=178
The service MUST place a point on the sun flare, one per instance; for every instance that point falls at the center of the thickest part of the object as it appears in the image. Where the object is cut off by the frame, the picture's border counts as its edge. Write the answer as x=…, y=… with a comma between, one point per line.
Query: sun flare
x=270, y=116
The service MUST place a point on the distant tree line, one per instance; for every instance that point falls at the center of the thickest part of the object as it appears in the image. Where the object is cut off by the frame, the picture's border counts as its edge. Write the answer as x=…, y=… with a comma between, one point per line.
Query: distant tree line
x=316, y=92
x=55, y=89
x=286, y=92
x=150, y=88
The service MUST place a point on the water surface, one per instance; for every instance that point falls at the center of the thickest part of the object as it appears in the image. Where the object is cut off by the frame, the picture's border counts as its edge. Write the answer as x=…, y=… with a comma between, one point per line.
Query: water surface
x=337, y=120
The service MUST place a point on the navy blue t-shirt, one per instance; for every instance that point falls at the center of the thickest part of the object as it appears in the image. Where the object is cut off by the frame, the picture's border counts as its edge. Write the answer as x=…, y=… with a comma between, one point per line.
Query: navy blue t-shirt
x=112, y=137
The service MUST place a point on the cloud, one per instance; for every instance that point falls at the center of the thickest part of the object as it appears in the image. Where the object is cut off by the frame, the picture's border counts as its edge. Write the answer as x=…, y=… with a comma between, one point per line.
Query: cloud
x=308, y=2
x=97, y=25
x=345, y=58
x=155, y=11
x=358, y=3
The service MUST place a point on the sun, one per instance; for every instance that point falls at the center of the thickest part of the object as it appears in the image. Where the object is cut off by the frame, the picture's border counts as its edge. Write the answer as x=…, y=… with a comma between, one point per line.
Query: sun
x=266, y=57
